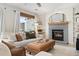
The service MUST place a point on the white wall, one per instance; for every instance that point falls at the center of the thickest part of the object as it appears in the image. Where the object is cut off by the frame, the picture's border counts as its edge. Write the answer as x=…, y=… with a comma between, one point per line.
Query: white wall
x=68, y=12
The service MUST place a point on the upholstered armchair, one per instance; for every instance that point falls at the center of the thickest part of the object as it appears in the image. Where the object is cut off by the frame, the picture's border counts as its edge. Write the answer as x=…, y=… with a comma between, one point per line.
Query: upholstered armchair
x=4, y=50
x=15, y=51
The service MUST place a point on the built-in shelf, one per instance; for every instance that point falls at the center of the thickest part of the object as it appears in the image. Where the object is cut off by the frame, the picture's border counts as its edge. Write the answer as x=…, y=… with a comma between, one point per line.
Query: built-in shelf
x=59, y=23
x=77, y=31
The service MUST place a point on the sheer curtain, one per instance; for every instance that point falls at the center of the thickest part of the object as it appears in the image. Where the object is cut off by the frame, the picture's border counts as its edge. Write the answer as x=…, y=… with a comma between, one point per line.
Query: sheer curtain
x=7, y=21
x=1, y=18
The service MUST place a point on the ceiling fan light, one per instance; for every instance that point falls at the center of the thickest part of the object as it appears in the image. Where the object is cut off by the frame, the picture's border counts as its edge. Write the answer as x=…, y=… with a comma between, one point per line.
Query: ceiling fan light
x=38, y=4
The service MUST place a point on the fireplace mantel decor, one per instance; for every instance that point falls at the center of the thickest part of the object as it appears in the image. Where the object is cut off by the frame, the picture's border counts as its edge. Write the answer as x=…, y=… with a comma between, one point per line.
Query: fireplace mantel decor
x=57, y=17
x=59, y=23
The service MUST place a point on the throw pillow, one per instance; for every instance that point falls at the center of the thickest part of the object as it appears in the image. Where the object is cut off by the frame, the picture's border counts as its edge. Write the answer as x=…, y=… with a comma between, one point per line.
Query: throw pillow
x=18, y=37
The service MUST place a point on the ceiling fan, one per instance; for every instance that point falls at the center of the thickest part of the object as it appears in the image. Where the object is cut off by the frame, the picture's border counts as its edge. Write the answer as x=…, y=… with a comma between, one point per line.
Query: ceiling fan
x=38, y=4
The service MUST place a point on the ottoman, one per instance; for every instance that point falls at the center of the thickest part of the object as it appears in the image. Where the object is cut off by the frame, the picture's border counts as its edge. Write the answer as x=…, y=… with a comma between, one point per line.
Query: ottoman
x=42, y=53
x=38, y=46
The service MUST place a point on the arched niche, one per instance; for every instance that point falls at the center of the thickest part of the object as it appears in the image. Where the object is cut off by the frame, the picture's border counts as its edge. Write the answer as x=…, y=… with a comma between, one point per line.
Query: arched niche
x=57, y=17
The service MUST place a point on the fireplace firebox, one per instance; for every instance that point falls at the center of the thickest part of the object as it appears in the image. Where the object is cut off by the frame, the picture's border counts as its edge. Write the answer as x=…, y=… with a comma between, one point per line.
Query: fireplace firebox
x=58, y=34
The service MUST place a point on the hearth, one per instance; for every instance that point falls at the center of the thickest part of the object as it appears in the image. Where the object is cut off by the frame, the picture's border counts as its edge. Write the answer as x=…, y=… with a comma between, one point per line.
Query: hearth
x=58, y=34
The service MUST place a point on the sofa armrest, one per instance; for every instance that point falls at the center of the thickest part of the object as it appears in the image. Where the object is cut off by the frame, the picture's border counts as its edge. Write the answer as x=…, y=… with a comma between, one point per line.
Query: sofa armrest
x=18, y=51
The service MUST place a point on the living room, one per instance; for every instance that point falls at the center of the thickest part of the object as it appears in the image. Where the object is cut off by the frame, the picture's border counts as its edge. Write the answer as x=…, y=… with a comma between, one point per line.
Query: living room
x=34, y=28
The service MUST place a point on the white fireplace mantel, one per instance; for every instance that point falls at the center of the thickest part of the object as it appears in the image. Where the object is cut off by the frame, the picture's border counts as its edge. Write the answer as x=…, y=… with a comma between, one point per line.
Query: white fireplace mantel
x=59, y=23
x=59, y=26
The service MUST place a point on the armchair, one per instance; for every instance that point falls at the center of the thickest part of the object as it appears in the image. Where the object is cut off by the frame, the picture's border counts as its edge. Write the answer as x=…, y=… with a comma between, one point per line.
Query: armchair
x=15, y=51
x=4, y=50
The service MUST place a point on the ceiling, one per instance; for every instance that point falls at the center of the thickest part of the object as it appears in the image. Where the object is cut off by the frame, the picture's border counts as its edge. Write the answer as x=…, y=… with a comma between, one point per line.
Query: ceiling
x=45, y=7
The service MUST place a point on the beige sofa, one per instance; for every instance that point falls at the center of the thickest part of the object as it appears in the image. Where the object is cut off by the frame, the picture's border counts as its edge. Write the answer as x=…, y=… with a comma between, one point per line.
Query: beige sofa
x=4, y=51
x=22, y=41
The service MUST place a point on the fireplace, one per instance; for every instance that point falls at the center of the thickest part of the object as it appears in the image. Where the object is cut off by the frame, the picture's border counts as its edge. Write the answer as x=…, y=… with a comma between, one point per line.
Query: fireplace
x=58, y=34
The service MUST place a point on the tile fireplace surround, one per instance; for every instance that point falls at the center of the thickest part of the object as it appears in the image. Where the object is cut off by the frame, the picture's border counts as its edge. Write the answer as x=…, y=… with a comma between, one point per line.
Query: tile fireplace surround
x=58, y=34
x=59, y=27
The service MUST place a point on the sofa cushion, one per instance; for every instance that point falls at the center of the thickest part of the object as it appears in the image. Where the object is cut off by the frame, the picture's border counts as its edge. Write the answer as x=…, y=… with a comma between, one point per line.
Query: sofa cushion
x=24, y=42
x=23, y=35
x=10, y=46
x=18, y=37
x=30, y=35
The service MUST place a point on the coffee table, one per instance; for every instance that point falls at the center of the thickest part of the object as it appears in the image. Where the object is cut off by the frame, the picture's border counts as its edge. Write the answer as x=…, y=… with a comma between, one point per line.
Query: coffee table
x=38, y=46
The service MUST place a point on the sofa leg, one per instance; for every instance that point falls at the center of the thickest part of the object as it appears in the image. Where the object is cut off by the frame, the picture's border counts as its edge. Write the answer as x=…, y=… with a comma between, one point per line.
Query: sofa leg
x=29, y=52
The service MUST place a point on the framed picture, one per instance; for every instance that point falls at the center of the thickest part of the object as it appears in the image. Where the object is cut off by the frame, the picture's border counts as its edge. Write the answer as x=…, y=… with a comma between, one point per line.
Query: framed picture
x=57, y=17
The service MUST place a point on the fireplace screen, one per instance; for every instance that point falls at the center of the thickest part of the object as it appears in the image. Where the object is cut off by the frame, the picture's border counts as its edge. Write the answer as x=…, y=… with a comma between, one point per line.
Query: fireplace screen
x=57, y=35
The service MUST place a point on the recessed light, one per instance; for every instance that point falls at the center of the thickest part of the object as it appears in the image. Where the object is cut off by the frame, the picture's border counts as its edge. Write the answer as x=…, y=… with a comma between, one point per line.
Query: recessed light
x=25, y=3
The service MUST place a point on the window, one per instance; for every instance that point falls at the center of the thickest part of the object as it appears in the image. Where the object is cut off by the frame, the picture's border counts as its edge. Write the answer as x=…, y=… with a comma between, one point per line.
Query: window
x=27, y=24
